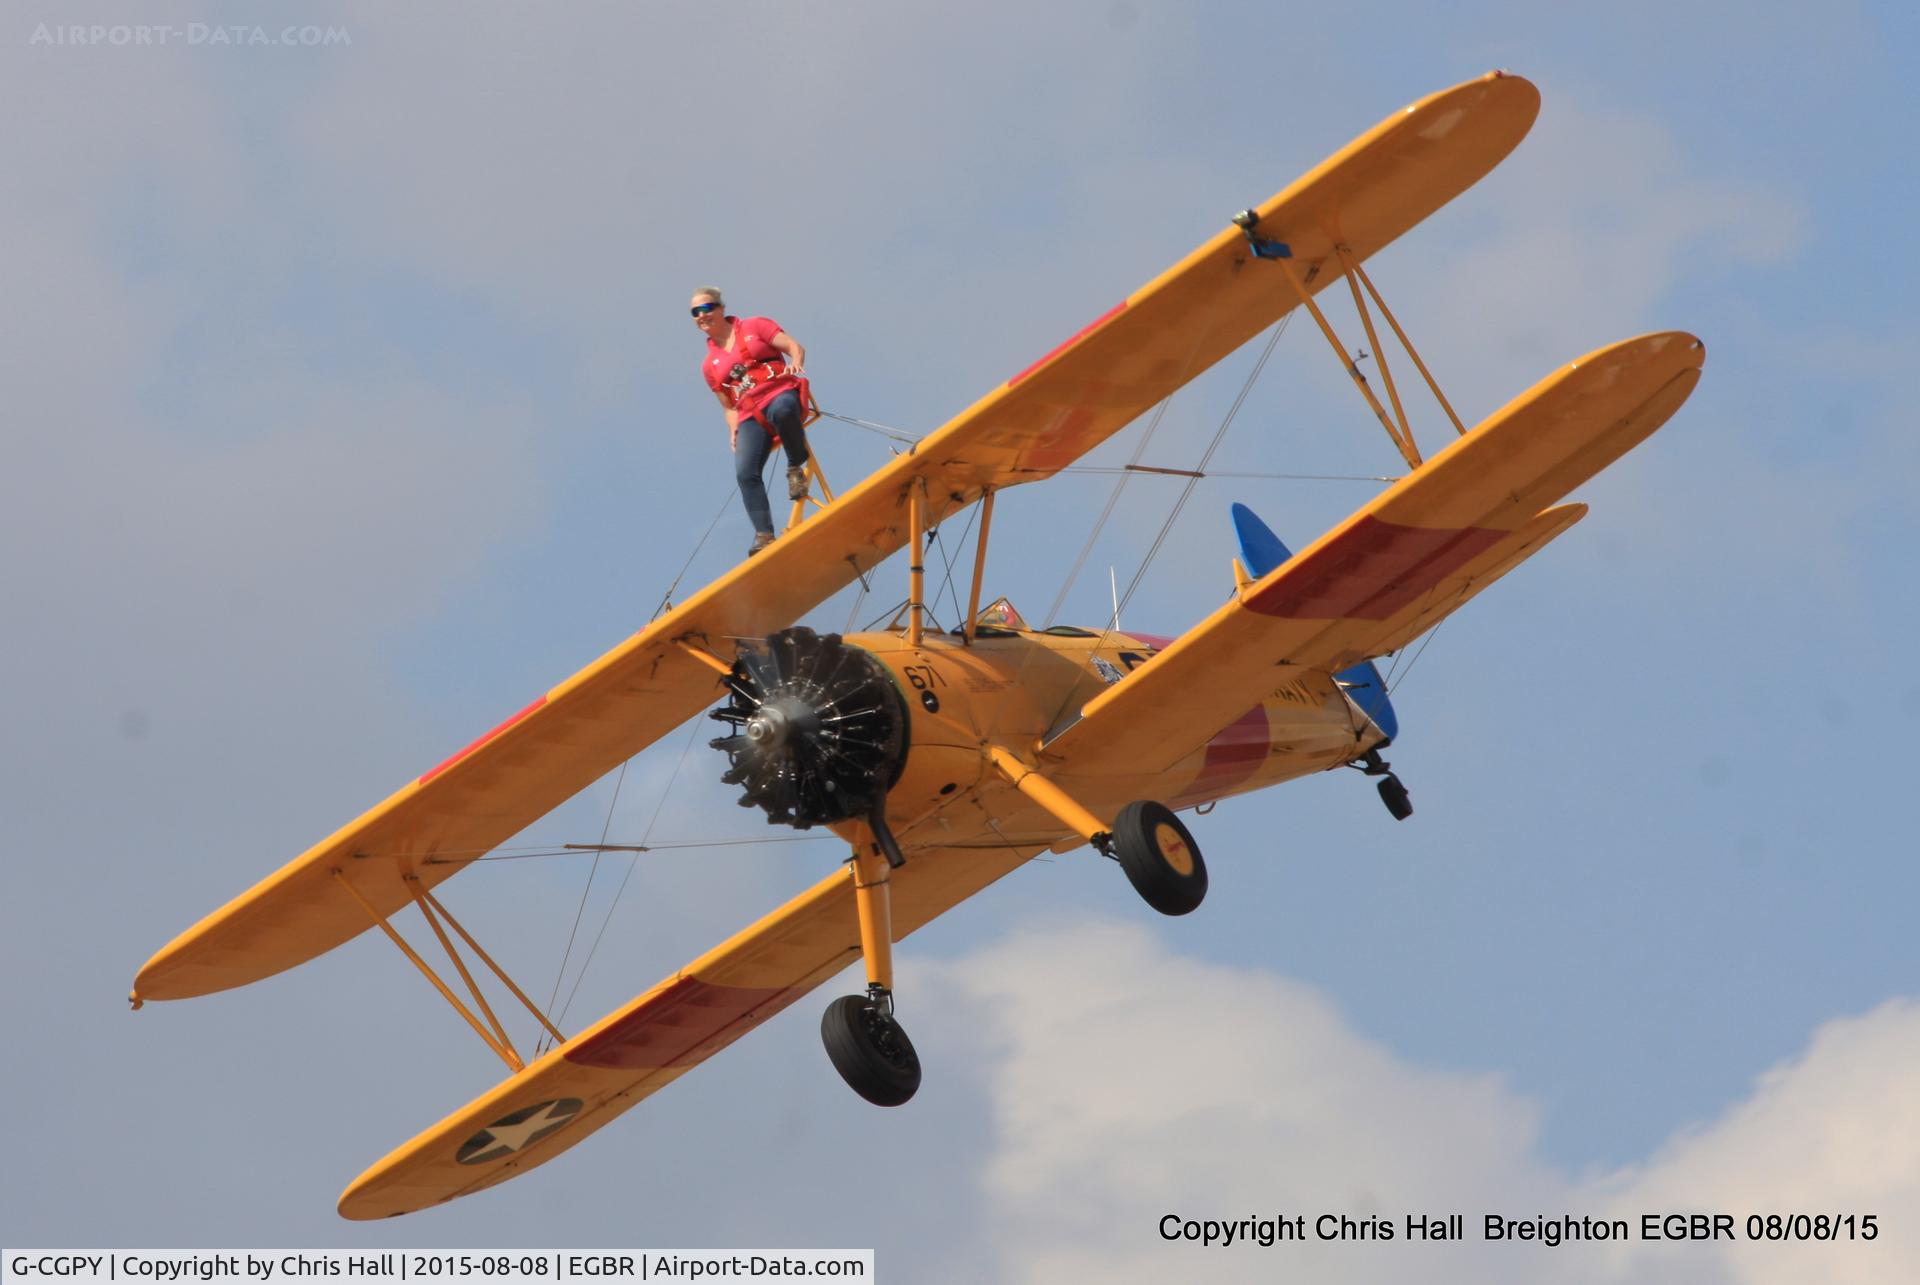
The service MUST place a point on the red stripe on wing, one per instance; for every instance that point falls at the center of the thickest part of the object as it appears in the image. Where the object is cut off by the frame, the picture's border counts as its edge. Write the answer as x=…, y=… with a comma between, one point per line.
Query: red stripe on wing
x=1077, y=336
x=1370, y=571
x=684, y=1024
x=483, y=740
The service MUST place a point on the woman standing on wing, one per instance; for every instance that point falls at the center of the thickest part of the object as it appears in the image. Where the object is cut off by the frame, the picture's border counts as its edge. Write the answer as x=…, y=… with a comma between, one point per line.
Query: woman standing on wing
x=754, y=369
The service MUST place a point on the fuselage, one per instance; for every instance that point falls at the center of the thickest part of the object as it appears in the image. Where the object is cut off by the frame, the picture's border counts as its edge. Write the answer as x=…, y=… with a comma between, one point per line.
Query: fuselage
x=1015, y=686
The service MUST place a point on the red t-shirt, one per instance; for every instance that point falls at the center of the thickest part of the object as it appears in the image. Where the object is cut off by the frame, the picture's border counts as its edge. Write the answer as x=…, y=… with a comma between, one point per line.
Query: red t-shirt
x=752, y=346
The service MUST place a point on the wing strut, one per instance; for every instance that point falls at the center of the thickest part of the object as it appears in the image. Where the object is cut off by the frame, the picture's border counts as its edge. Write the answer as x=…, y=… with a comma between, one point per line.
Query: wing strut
x=816, y=476
x=1386, y=376
x=1353, y=266
x=979, y=567
x=427, y=899
x=1398, y=429
x=917, y=566
x=433, y=912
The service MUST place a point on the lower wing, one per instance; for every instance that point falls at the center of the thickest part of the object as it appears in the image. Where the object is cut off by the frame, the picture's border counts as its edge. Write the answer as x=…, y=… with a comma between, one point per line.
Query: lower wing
x=639, y=1049
x=1399, y=565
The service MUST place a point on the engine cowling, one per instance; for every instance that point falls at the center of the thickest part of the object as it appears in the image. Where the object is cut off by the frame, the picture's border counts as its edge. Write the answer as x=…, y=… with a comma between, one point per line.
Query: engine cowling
x=821, y=730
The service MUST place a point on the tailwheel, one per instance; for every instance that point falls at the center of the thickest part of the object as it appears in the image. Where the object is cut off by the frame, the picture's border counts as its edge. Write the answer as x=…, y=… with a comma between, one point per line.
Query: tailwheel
x=870, y=1050
x=1392, y=792
x=1161, y=860
x=1395, y=796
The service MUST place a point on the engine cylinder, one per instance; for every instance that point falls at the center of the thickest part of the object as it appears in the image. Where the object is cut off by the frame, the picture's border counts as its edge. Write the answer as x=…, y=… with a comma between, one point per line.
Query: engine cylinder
x=820, y=729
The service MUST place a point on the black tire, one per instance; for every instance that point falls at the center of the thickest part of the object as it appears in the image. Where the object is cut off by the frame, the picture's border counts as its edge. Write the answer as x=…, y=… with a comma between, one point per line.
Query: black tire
x=870, y=1050
x=1395, y=796
x=1160, y=857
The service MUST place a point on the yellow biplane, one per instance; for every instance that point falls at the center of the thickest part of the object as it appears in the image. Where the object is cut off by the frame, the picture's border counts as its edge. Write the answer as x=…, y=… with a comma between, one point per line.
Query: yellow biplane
x=946, y=760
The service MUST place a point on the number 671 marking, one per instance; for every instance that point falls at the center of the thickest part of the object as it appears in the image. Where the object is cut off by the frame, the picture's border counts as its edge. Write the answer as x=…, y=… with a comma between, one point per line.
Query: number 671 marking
x=923, y=676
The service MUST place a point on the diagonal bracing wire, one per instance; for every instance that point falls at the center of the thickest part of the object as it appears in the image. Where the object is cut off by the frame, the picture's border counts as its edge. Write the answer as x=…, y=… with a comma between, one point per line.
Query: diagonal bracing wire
x=581, y=910
x=951, y=553
x=882, y=429
x=1112, y=501
x=666, y=599
x=693, y=730
x=1186, y=492
x=580, y=849
x=1135, y=469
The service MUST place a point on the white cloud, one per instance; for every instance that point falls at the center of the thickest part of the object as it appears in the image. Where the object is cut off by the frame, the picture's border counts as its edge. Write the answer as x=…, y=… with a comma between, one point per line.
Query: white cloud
x=210, y=497
x=219, y=513
x=1129, y=1082
x=1835, y=1131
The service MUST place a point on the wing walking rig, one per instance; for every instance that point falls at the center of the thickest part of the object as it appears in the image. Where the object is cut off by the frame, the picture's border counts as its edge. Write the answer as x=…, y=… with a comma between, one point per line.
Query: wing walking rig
x=947, y=761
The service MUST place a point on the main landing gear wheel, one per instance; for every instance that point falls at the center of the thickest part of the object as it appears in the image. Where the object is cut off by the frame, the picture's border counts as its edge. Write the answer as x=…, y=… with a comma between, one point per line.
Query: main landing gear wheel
x=1161, y=860
x=870, y=1050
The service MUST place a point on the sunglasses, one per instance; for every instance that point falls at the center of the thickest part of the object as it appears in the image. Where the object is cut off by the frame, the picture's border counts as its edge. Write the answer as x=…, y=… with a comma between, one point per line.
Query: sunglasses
x=702, y=309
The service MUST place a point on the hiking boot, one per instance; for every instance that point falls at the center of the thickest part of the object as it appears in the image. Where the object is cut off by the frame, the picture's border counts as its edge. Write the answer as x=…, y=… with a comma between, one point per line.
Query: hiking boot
x=761, y=540
x=797, y=483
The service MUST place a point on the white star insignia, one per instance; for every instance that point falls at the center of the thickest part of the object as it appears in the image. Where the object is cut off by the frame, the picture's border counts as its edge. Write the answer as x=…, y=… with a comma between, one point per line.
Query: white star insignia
x=515, y=1136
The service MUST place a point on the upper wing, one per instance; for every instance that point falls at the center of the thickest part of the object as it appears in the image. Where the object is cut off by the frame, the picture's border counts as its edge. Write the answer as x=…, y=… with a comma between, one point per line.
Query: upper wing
x=1400, y=564
x=633, y=1052
x=1040, y=420
x=1196, y=312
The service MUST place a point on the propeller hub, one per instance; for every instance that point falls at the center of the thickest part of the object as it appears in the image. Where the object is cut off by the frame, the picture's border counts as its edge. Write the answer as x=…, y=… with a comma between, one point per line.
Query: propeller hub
x=779, y=719
x=767, y=729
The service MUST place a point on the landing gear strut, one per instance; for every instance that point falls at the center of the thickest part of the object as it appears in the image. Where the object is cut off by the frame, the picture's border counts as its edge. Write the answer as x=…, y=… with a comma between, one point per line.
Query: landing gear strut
x=864, y=1041
x=1392, y=792
x=1160, y=858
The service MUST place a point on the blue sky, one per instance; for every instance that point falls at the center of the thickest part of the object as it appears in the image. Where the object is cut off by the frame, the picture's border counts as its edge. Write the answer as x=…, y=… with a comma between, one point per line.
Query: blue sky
x=352, y=403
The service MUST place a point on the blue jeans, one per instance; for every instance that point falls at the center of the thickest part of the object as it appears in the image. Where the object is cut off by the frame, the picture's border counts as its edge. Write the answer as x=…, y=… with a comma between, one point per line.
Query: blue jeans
x=755, y=444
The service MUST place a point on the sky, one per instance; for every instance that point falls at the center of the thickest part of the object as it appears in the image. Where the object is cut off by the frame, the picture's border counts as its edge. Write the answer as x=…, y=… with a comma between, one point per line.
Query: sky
x=351, y=402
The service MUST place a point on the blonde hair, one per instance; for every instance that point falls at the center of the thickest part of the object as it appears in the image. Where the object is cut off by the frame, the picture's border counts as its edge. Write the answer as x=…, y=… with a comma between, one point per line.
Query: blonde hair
x=715, y=292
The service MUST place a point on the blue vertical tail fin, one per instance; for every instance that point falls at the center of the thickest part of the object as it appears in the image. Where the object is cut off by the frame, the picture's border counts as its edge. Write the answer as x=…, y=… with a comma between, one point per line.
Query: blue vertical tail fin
x=1260, y=552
